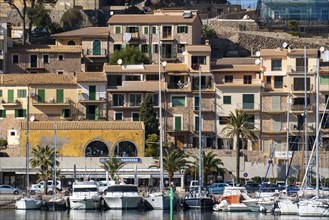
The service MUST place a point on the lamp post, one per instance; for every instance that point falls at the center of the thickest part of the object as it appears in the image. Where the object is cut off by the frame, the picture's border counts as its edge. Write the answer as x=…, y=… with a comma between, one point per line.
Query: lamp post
x=200, y=133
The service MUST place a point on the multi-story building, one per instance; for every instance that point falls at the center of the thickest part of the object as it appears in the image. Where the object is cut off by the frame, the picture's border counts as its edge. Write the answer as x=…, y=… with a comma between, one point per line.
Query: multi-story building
x=238, y=87
x=3, y=41
x=44, y=59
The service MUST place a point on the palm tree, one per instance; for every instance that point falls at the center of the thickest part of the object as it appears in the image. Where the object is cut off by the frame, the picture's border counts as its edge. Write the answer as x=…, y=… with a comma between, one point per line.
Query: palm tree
x=174, y=161
x=43, y=156
x=112, y=166
x=239, y=127
x=211, y=164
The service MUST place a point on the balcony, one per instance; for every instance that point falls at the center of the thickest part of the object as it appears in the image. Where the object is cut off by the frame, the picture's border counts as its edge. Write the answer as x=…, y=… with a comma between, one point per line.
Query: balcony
x=240, y=82
x=9, y=103
x=89, y=98
x=301, y=108
x=179, y=86
x=323, y=107
x=131, y=37
x=51, y=102
x=137, y=86
x=300, y=69
x=300, y=88
x=96, y=53
x=248, y=106
x=268, y=108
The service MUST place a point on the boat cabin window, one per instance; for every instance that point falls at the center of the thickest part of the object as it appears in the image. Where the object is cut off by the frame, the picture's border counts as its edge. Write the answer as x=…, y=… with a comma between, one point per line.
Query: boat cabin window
x=94, y=189
x=122, y=189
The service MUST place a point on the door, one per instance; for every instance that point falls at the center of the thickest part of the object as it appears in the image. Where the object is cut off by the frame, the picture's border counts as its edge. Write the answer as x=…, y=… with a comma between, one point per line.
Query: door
x=96, y=47
x=92, y=92
x=92, y=112
x=178, y=123
x=41, y=95
x=10, y=96
x=59, y=95
x=34, y=61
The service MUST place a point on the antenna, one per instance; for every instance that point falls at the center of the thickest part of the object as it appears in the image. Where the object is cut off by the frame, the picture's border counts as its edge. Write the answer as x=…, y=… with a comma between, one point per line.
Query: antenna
x=119, y=61
x=257, y=61
x=111, y=13
x=322, y=49
x=285, y=45
x=258, y=54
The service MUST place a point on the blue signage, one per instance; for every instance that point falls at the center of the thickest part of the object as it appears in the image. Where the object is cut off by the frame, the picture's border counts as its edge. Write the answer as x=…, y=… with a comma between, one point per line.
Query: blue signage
x=124, y=159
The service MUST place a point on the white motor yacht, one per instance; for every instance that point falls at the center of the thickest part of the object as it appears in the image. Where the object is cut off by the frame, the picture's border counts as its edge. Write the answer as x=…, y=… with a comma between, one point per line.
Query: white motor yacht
x=122, y=196
x=314, y=208
x=85, y=195
x=232, y=198
x=160, y=201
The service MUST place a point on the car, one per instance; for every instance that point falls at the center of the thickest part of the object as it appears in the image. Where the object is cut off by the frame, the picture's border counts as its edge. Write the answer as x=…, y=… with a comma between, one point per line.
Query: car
x=251, y=187
x=7, y=189
x=217, y=188
x=39, y=32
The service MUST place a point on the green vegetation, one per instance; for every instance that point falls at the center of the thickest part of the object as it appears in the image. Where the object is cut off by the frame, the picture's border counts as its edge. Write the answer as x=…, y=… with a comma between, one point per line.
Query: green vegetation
x=148, y=116
x=293, y=28
x=239, y=128
x=112, y=166
x=207, y=32
x=72, y=19
x=129, y=55
x=3, y=144
x=43, y=156
x=152, y=146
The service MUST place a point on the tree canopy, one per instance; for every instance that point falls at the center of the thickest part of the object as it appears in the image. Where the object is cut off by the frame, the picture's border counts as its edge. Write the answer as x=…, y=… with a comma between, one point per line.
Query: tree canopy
x=148, y=116
x=112, y=166
x=129, y=55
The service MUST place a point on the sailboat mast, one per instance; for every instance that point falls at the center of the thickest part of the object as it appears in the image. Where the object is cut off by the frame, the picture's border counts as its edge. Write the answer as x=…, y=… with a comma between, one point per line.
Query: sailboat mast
x=317, y=125
x=27, y=146
x=54, y=163
x=305, y=110
x=287, y=141
x=160, y=114
x=200, y=137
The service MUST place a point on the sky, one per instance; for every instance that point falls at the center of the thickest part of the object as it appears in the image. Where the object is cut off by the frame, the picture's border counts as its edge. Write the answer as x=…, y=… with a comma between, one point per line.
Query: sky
x=245, y=3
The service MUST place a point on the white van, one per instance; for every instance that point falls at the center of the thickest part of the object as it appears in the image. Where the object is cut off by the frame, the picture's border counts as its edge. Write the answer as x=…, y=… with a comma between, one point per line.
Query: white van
x=39, y=188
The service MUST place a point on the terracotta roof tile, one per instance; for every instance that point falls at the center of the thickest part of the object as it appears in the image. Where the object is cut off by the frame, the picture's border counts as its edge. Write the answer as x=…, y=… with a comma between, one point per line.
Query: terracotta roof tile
x=91, y=77
x=48, y=49
x=85, y=32
x=36, y=79
x=154, y=68
x=198, y=48
x=84, y=125
x=150, y=19
x=236, y=68
x=273, y=52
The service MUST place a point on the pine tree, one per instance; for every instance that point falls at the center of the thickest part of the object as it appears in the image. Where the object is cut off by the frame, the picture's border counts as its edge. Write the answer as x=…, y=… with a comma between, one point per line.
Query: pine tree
x=148, y=116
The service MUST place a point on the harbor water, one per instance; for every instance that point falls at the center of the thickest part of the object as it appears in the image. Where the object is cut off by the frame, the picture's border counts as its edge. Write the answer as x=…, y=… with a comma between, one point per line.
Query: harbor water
x=8, y=214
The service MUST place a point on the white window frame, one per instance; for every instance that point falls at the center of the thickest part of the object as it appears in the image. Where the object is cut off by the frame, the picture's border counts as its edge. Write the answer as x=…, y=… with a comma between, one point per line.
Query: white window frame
x=115, y=116
x=135, y=94
x=194, y=121
x=43, y=58
x=177, y=96
x=132, y=118
x=59, y=56
x=124, y=99
x=194, y=106
x=182, y=122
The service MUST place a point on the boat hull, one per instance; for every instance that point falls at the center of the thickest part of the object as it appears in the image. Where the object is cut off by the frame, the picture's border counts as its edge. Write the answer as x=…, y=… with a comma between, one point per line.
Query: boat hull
x=28, y=204
x=56, y=205
x=122, y=202
x=85, y=202
x=287, y=207
x=199, y=203
x=313, y=208
x=161, y=202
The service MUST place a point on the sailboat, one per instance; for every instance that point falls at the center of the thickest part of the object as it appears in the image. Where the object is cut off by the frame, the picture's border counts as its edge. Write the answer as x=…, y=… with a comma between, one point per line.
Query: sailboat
x=315, y=207
x=199, y=199
x=27, y=202
x=56, y=203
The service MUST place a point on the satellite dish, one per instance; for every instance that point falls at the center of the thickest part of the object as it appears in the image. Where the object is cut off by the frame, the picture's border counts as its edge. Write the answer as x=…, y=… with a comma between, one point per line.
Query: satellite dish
x=32, y=118
x=164, y=63
x=184, y=53
x=258, y=54
x=119, y=61
x=111, y=13
x=322, y=49
x=285, y=45
x=257, y=62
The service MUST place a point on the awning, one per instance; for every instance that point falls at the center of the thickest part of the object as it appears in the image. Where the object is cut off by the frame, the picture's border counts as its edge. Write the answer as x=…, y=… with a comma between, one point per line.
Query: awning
x=275, y=73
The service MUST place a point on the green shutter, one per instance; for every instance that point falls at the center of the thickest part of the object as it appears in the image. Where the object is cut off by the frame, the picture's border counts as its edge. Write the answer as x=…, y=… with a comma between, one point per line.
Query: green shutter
x=59, y=96
x=92, y=92
x=41, y=95
x=146, y=30
x=154, y=30
x=0, y=93
x=2, y=113
x=178, y=123
x=10, y=96
x=117, y=30
x=24, y=113
x=63, y=113
x=16, y=113
x=324, y=79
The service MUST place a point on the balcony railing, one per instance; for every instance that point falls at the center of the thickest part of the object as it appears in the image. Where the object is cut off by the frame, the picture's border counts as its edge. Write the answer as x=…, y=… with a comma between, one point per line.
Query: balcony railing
x=98, y=96
x=301, y=87
x=51, y=101
x=300, y=69
x=242, y=82
x=301, y=107
x=178, y=85
x=248, y=106
x=269, y=108
x=5, y=102
x=90, y=52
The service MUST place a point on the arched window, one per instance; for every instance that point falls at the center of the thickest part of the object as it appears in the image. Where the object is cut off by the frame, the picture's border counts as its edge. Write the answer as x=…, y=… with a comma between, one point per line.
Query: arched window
x=96, y=47
x=125, y=149
x=96, y=149
x=71, y=42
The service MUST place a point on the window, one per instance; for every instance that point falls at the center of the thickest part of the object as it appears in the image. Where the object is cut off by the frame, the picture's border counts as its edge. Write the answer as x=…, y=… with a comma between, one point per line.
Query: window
x=196, y=103
x=182, y=29
x=10, y=98
x=66, y=113
x=41, y=95
x=276, y=64
x=61, y=72
x=278, y=82
x=299, y=84
x=227, y=100
x=155, y=48
x=155, y=99
x=135, y=116
x=61, y=57
x=146, y=30
x=199, y=59
x=268, y=79
x=152, y=77
x=224, y=120
x=118, y=30
x=118, y=99
x=117, y=47
x=46, y=58
x=15, y=59
x=135, y=99
x=0, y=93
x=59, y=95
x=247, y=79
x=181, y=48
x=132, y=29
x=154, y=30
x=118, y=116
x=97, y=47
x=71, y=42
x=114, y=80
x=20, y=113
x=132, y=78
x=21, y=93
x=2, y=113
x=145, y=48
x=196, y=123
x=248, y=101
x=228, y=79
x=178, y=101
x=324, y=79
x=300, y=64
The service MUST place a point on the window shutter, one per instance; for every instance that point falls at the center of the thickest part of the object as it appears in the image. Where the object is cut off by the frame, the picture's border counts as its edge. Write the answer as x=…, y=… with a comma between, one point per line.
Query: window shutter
x=59, y=96
x=16, y=113
x=63, y=113
x=146, y=30
x=154, y=30
x=24, y=113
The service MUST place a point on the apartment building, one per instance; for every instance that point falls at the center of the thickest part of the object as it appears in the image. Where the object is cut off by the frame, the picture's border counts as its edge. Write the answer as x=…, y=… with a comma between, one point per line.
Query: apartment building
x=238, y=86
x=44, y=59
x=3, y=41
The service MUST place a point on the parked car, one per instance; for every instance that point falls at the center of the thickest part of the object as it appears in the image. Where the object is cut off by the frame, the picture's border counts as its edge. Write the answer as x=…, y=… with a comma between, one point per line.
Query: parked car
x=7, y=189
x=39, y=188
x=230, y=182
x=217, y=188
x=291, y=189
x=39, y=31
x=251, y=186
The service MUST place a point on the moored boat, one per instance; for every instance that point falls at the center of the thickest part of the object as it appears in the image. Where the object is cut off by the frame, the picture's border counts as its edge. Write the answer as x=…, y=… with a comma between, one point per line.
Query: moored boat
x=29, y=203
x=160, y=201
x=85, y=195
x=57, y=204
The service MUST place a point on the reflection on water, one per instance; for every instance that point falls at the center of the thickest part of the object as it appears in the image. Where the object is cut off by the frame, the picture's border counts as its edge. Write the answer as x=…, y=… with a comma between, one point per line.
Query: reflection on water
x=135, y=215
